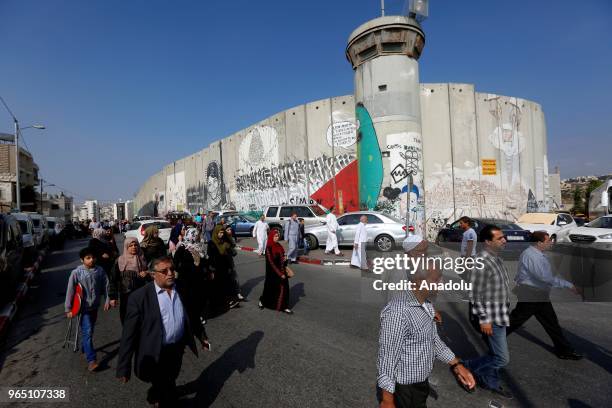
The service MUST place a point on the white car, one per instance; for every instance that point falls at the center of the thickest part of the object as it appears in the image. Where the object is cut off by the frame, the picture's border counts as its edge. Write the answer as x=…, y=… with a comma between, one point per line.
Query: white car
x=598, y=231
x=29, y=238
x=137, y=229
x=40, y=228
x=557, y=225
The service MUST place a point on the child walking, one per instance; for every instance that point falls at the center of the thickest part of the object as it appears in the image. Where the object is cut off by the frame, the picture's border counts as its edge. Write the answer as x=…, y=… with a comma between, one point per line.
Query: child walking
x=94, y=282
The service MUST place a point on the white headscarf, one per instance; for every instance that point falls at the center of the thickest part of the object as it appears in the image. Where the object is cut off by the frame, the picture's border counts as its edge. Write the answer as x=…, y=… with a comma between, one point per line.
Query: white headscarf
x=191, y=243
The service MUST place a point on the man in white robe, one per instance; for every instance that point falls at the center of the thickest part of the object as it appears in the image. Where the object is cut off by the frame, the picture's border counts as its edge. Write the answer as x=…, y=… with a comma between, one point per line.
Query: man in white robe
x=358, y=260
x=260, y=231
x=332, y=240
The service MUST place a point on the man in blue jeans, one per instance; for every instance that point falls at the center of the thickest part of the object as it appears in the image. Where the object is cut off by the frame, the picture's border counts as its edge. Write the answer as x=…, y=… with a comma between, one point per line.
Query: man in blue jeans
x=489, y=311
x=94, y=283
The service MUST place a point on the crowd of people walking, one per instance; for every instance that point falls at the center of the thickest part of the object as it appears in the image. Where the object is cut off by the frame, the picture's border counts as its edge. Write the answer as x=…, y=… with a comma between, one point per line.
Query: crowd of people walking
x=166, y=293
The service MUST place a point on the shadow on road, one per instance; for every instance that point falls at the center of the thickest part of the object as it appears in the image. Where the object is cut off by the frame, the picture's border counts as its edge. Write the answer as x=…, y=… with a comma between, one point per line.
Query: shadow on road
x=108, y=355
x=295, y=293
x=249, y=285
x=593, y=352
x=208, y=385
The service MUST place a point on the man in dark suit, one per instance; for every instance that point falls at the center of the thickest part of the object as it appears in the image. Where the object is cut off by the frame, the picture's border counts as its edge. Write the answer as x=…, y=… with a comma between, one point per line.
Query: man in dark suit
x=160, y=321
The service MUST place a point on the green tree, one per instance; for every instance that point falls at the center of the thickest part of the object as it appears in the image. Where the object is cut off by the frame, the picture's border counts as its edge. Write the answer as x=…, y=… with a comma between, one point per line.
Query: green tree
x=578, y=201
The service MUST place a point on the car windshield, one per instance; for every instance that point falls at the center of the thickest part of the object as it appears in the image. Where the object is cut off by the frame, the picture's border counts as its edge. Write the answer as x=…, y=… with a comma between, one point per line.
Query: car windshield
x=24, y=226
x=134, y=225
x=249, y=218
x=318, y=211
x=505, y=225
x=602, y=222
x=394, y=219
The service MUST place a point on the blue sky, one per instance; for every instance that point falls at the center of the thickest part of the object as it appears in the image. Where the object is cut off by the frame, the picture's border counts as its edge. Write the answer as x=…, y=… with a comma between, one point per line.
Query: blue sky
x=127, y=86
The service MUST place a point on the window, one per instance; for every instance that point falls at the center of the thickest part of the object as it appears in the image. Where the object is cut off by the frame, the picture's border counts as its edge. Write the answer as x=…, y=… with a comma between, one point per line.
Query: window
x=54, y=206
x=568, y=219
x=161, y=225
x=36, y=222
x=351, y=219
x=50, y=224
x=134, y=226
x=372, y=219
x=303, y=212
x=455, y=225
x=272, y=212
x=24, y=226
x=285, y=212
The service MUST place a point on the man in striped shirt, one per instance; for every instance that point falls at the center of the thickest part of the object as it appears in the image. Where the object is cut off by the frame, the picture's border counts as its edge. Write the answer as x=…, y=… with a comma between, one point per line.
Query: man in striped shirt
x=489, y=311
x=408, y=345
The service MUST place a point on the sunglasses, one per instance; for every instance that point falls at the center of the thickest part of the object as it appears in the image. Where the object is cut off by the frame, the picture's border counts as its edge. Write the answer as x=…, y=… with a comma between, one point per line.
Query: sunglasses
x=167, y=271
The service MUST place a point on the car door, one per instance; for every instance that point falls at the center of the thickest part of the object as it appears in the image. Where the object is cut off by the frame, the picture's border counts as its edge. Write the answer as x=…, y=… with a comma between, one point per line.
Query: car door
x=347, y=225
x=455, y=233
x=373, y=227
x=565, y=223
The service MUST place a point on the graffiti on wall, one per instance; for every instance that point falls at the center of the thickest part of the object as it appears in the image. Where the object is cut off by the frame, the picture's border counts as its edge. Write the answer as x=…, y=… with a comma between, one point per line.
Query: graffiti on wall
x=214, y=194
x=258, y=149
x=175, y=191
x=369, y=160
x=344, y=134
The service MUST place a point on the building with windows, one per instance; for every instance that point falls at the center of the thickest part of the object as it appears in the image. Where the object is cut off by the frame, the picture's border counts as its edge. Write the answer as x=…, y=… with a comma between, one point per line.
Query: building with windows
x=28, y=178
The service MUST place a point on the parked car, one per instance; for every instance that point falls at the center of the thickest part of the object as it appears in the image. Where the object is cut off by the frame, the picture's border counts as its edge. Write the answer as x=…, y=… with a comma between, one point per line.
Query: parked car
x=580, y=221
x=600, y=200
x=597, y=231
x=40, y=228
x=557, y=225
x=55, y=231
x=137, y=229
x=517, y=238
x=384, y=231
x=277, y=215
x=174, y=216
x=242, y=225
x=27, y=237
x=11, y=256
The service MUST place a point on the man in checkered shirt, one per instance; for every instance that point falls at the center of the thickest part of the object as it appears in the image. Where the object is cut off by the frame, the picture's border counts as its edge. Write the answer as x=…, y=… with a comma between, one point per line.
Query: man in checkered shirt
x=408, y=345
x=489, y=311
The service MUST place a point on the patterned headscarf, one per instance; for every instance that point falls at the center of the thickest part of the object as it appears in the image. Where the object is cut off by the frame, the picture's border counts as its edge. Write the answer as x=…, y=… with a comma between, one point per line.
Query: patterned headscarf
x=99, y=233
x=149, y=236
x=191, y=243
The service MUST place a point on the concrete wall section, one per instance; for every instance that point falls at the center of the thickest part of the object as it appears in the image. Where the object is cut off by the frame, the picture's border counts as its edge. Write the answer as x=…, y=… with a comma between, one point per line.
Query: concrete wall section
x=483, y=155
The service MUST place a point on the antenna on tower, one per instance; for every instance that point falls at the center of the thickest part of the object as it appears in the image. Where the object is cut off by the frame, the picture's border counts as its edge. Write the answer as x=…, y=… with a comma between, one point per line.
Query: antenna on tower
x=382, y=8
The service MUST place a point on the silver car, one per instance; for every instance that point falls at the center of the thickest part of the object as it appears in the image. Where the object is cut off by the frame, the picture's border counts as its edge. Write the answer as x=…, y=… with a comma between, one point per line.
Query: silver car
x=384, y=232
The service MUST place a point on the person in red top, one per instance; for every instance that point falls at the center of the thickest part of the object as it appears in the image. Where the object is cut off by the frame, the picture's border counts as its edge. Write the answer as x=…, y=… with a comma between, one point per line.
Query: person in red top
x=276, y=286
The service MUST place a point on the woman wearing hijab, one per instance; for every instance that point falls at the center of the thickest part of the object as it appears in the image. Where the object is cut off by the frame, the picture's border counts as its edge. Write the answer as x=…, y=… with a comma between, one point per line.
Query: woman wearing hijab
x=104, y=250
x=176, y=235
x=233, y=275
x=128, y=274
x=220, y=263
x=276, y=286
x=152, y=245
x=189, y=261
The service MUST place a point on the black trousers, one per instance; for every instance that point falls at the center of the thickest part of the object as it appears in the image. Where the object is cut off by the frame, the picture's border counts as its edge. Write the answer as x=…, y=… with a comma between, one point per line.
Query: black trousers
x=163, y=384
x=534, y=302
x=411, y=395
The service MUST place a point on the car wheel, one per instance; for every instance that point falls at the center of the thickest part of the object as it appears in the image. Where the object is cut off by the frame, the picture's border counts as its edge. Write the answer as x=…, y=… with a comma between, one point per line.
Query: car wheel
x=384, y=243
x=313, y=242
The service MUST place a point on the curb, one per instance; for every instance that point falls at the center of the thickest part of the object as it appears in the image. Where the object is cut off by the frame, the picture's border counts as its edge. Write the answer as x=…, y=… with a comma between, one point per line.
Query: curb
x=307, y=260
x=10, y=310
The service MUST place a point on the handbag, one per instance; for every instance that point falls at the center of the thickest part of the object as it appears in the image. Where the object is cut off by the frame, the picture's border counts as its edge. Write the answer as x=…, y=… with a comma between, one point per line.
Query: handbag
x=289, y=272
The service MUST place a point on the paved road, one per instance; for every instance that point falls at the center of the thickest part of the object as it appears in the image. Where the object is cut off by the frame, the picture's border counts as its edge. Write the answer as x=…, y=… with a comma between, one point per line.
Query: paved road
x=323, y=356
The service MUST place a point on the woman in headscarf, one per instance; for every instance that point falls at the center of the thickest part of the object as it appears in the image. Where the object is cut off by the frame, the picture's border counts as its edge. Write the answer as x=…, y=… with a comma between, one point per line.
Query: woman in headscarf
x=152, y=245
x=219, y=264
x=189, y=262
x=233, y=275
x=276, y=286
x=128, y=274
x=176, y=235
x=104, y=250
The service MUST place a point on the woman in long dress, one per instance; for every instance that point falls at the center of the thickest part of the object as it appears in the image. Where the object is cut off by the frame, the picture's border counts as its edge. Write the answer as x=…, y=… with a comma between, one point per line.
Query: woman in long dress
x=190, y=267
x=276, y=285
x=129, y=273
x=219, y=265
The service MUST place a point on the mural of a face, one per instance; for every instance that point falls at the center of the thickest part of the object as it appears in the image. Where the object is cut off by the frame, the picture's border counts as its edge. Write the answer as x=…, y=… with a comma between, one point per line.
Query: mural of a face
x=213, y=185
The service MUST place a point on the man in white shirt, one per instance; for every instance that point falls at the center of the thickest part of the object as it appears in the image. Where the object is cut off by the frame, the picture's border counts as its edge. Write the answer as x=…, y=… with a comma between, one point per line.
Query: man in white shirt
x=332, y=239
x=358, y=259
x=260, y=231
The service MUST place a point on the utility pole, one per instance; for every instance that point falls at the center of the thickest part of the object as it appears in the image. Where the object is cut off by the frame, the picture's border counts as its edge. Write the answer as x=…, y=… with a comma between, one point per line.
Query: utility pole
x=17, y=183
x=409, y=182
